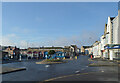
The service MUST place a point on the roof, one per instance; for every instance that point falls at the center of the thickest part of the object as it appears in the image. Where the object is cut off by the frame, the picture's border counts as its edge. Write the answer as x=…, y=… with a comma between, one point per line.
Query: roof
x=87, y=46
x=53, y=47
x=45, y=47
x=111, y=18
x=4, y=47
x=3, y=52
x=33, y=47
x=73, y=45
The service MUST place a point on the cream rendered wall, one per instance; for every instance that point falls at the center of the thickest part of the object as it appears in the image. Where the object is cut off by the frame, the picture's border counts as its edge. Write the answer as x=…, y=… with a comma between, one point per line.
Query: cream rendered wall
x=90, y=50
x=109, y=27
x=99, y=49
x=102, y=42
x=96, y=49
x=111, y=54
x=115, y=31
x=82, y=49
x=119, y=24
x=116, y=34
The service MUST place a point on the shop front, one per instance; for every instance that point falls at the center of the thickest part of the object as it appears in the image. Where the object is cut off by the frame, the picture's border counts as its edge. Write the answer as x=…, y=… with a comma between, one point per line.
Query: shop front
x=113, y=51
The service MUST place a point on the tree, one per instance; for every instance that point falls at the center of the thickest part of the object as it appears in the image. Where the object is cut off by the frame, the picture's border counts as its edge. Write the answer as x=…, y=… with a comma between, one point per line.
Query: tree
x=51, y=52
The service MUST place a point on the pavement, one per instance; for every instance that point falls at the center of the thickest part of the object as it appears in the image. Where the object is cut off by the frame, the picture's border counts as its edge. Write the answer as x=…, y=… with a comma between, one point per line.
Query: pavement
x=101, y=62
x=6, y=70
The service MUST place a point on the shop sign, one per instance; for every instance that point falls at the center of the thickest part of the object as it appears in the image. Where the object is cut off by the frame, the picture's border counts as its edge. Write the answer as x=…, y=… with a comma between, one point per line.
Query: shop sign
x=117, y=47
x=113, y=47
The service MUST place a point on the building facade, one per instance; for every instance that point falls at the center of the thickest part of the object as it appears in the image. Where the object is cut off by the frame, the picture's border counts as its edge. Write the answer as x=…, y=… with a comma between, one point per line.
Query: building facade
x=112, y=50
x=109, y=45
x=43, y=51
x=96, y=49
x=86, y=50
x=10, y=50
x=82, y=50
x=13, y=52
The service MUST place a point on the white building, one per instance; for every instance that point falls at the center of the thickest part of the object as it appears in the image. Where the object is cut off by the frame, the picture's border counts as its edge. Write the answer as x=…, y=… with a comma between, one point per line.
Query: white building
x=86, y=50
x=109, y=45
x=90, y=50
x=108, y=36
x=115, y=50
x=102, y=39
x=78, y=50
x=96, y=49
x=112, y=44
x=116, y=32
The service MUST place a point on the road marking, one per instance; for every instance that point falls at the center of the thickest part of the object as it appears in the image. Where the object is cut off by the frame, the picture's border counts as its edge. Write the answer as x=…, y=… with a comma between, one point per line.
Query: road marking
x=102, y=71
x=77, y=71
x=66, y=76
x=47, y=65
x=58, y=77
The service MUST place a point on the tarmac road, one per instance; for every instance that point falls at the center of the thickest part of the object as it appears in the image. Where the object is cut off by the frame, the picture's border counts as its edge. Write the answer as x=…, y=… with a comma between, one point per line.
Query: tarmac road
x=42, y=72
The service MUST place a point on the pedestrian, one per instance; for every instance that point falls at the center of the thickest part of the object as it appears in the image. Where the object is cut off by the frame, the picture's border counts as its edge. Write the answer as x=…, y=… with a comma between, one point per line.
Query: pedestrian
x=91, y=56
